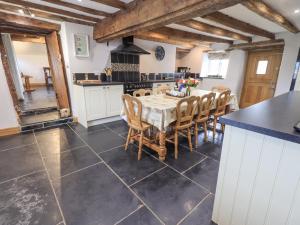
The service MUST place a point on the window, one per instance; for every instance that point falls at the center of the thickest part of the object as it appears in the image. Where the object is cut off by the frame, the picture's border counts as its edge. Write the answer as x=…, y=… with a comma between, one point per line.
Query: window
x=215, y=65
x=262, y=67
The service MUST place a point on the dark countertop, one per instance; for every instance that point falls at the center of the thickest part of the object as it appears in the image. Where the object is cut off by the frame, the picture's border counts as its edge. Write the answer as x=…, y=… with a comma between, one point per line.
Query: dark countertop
x=275, y=117
x=121, y=83
x=102, y=84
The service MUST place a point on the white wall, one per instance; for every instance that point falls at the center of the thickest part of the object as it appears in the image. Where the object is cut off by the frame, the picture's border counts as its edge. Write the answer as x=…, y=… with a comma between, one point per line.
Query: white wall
x=100, y=55
x=8, y=116
x=31, y=58
x=192, y=60
x=290, y=53
x=16, y=75
x=149, y=64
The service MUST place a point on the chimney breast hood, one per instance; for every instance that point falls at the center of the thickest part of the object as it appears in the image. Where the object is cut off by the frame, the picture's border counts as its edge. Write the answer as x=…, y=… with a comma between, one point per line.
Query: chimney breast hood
x=128, y=47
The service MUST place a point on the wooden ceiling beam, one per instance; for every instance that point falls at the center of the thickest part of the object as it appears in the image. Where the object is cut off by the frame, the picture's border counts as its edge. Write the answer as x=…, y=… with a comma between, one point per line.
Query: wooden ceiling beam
x=50, y=9
x=189, y=37
x=113, y=3
x=151, y=36
x=257, y=45
x=41, y=14
x=27, y=23
x=79, y=8
x=150, y=14
x=207, y=28
x=229, y=21
x=269, y=13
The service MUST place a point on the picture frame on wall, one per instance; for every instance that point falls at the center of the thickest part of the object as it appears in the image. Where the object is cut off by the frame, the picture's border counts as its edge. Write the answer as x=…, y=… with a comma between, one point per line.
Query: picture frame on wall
x=81, y=45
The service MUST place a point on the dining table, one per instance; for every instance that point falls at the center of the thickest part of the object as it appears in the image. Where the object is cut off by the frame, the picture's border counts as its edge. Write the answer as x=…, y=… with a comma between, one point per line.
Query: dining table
x=160, y=112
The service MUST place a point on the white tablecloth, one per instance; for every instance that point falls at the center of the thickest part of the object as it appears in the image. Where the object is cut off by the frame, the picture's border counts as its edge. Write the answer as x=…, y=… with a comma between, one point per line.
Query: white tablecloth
x=160, y=110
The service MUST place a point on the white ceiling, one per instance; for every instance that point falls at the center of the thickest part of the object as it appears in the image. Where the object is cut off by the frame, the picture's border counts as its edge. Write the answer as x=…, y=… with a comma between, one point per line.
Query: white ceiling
x=240, y=12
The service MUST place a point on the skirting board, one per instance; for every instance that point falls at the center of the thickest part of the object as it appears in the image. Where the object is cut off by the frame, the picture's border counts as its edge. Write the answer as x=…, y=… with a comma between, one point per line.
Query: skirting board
x=9, y=131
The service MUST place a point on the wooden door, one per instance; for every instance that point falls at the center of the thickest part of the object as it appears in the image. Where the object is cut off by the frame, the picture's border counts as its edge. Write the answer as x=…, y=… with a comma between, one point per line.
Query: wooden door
x=57, y=70
x=261, y=76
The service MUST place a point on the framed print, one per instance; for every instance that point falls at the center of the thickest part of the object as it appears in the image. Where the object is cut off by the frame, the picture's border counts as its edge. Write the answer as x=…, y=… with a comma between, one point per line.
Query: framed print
x=81, y=45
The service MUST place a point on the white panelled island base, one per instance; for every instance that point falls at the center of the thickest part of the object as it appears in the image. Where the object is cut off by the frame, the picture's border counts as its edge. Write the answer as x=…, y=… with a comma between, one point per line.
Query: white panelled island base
x=259, y=175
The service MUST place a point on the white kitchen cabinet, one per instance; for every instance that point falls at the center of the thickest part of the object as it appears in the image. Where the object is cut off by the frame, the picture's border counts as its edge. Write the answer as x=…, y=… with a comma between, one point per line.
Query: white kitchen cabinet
x=98, y=104
x=114, y=101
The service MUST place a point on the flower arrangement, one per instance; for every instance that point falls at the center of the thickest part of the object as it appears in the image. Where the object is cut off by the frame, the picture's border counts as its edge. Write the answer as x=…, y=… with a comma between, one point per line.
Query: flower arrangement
x=108, y=72
x=188, y=84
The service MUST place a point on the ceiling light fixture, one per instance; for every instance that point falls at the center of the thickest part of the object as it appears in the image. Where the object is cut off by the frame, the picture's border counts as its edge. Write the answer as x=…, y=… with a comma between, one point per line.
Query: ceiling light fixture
x=32, y=15
x=21, y=11
x=297, y=11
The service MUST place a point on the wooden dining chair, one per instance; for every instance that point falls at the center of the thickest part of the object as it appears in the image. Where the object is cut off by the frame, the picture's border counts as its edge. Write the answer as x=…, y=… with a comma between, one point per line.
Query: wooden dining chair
x=220, y=110
x=133, y=110
x=219, y=88
x=185, y=111
x=163, y=89
x=142, y=92
x=205, y=104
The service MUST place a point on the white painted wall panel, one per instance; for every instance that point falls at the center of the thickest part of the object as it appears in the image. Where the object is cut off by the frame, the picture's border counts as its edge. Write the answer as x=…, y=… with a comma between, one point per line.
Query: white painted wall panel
x=231, y=176
x=285, y=186
x=259, y=180
x=264, y=182
x=248, y=170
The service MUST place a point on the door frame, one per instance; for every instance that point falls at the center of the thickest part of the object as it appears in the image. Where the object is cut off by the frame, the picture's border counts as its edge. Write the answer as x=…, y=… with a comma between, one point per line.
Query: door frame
x=269, y=48
x=44, y=30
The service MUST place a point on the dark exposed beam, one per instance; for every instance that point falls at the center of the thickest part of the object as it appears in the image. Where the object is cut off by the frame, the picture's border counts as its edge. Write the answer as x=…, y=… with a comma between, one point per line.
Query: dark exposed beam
x=150, y=14
x=41, y=14
x=200, y=26
x=188, y=37
x=27, y=23
x=238, y=25
x=113, y=3
x=256, y=45
x=271, y=14
x=79, y=8
x=52, y=10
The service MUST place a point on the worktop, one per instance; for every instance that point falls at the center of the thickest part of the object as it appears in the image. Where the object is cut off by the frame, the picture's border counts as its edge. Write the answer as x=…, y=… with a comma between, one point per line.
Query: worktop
x=275, y=117
x=121, y=83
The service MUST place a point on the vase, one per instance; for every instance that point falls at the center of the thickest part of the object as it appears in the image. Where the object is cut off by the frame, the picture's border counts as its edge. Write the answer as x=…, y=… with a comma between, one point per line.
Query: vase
x=188, y=91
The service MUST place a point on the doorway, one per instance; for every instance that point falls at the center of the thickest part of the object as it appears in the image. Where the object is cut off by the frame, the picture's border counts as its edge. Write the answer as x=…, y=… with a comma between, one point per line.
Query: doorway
x=39, y=67
x=261, y=76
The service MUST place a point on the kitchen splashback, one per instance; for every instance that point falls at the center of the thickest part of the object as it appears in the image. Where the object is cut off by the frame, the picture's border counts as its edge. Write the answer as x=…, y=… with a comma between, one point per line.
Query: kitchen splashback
x=126, y=68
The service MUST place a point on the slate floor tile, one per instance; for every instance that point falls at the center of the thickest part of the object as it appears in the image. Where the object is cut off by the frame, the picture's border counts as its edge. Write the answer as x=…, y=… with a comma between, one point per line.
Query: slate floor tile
x=141, y=217
x=210, y=149
x=14, y=141
x=19, y=161
x=67, y=162
x=205, y=173
x=186, y=158
x=127, y=166
x=170, y=195
x=57, y=140
x=202, y=214
x=103, y=140
x=120, y=126
x=94, y=196
x=78, y=128
x=28, y=200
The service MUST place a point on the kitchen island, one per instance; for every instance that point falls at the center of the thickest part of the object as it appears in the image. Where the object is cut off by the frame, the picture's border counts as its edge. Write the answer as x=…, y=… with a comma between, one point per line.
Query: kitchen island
x=259, y=175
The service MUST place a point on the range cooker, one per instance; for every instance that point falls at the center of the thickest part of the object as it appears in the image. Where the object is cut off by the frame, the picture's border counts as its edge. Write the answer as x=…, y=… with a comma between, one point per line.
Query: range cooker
x=129, y=88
